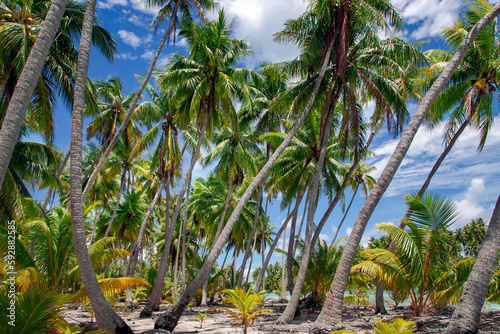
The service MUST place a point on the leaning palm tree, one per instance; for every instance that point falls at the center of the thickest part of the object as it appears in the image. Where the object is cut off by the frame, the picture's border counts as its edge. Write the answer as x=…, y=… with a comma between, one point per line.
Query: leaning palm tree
x=352, y=71
x=105, y=315
x=44, y=53
x=171, y=9
x=469, y=96
x=170, y=319
x=420, y=267
x=206, y=85
x=331, y=313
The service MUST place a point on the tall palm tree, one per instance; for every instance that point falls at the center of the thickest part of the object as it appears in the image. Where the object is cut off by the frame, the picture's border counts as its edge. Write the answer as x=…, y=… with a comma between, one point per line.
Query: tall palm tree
x=206, y=84
x=420, y=265
x=331, y=312
x=469, y=95
x=27, y=81
x=170, y=319
x=466, y=316
x=55, y=57
x=106, y=317
x=171, y=10
x=352, y=34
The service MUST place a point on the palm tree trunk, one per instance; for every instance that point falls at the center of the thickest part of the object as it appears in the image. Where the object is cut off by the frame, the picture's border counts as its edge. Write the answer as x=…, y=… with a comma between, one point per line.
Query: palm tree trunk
x=251, y=260
x=113, y=216
x=184, y=244
x=252, y=233
x=176, y=265
x=283, y=276
x=466, y=316
x=142, y=231
x=21, y=98
x=289, y=313
x=224, y=211
x=343, y=218
x=155, y=297
x=262, y=249
x=48, y=195
x=107, y=319
x=289, y=257
x=169, y=319
x=148, y=309
x=332, y=308
x=301, y=224
x=276, y=238
x=133, y=104
x=379, y=292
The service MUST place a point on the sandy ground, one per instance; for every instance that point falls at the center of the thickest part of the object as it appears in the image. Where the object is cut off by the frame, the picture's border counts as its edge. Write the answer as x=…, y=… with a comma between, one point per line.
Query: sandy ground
x=358, y=319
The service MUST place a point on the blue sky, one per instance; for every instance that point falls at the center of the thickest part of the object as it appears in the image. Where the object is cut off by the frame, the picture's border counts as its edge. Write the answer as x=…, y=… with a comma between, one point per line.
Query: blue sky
x=469, y=178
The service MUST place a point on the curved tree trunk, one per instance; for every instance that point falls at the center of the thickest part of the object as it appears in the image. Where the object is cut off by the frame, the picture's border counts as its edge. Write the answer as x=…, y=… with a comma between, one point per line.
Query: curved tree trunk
x=252, y=234
x=466, y=316
x=283, y=275
x=289, y=255
x=289, y=313
x=133, y=104
x=343, y=218
x=155, y=297
x=224, y=211
x=107, y=319
x=331, y=314
x=169, y=319
x=48, y=195
x=160, y=278
x=113, y=216
x=184, y=244
x=137, y=248
x=262, y=249
x=379, y=292
x=251, y=260
x=21, y=98
x=301, y=224
x=265, y=263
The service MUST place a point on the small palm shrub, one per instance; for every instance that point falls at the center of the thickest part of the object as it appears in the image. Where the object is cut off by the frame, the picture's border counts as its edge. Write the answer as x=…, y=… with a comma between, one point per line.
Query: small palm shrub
x=395, y=326
x=246, y=306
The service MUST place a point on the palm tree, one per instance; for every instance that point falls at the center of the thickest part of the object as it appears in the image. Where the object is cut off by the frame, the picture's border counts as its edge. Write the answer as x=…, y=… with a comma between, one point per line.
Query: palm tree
x=469, y=93
x=170, y=10
x=353, y=36
x=169, y=320
x=43, y=54
x=466, y=316
x=331, y=312
x=106, y=317
x=206, y=83
x=420, y=266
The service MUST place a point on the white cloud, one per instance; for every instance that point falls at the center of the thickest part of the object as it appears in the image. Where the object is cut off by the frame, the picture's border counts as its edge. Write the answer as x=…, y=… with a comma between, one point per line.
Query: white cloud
x=138, y=21
x=428, y=17
x=108, y=4
x=129, y=38
x=126, y=56
x=148, y=55
x=141, y=6
x=257, y=20
x=325, y=237
x=348, y=231
x=462, y=164
x=472, y=205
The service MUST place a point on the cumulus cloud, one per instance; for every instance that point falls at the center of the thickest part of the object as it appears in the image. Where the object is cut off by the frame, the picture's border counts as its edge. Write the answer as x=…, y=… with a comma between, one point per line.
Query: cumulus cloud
x=108, y=4
x=257, y=20
x=426, y=18
x=126, y=56
x=129, y=38
x=472, y=205
x=462, y=164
